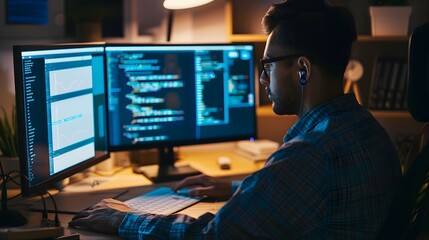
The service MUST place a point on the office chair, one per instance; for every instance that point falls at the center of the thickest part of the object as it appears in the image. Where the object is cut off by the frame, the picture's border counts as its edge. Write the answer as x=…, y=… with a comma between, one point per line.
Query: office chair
x=409, y=208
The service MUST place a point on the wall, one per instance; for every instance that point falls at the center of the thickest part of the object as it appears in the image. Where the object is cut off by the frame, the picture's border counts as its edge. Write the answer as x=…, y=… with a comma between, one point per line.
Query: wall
x=144, y=21
x=7, y=90
x=205, y=24
x=24, y=34
x=209, y=23
x=54, y=29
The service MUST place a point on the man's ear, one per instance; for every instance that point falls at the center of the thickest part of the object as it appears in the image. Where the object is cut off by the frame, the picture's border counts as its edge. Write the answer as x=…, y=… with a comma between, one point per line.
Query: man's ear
x=304, y=63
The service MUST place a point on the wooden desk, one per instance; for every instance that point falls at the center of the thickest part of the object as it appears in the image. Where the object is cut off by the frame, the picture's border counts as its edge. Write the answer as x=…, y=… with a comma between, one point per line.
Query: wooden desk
x=202, y=159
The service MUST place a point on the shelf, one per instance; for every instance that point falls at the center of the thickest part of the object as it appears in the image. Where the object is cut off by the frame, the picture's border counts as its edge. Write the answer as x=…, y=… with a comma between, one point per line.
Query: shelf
x=267, y=111
x=369, y=38
x=396, y=123
x=391, y=114
x=361, y=38
x=243, y=25
x=248, y=38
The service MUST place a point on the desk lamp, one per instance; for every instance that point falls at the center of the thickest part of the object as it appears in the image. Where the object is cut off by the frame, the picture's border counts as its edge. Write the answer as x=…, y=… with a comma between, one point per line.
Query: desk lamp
x=352, y=75
x=179, y=4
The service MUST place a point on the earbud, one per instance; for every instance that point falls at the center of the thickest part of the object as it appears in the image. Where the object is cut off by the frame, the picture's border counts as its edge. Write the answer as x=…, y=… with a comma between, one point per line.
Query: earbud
x=302, y=76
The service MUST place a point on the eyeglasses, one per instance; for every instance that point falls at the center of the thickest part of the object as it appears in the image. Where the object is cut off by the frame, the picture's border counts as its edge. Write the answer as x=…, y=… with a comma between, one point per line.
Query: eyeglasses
x=266, y=66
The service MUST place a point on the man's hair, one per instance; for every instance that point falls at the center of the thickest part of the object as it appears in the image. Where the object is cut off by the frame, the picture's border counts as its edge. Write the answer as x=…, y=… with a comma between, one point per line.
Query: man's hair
x=321, y=32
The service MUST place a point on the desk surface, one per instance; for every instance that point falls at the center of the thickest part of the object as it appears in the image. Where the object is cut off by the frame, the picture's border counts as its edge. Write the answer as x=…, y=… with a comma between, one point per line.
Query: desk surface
x=200, y=158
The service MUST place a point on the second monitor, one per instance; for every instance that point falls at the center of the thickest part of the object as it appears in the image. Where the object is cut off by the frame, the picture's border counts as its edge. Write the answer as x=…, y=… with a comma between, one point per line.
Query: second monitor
x=161, y=96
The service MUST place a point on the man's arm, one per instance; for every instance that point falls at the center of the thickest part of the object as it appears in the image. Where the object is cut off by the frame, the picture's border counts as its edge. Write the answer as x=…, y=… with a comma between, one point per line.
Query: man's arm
x=115, y=217
x=138, y=225
x=288, y=197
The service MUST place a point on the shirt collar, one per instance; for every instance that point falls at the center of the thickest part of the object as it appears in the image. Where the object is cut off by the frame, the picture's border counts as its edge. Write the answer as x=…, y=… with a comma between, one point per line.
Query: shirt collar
x=319, y=113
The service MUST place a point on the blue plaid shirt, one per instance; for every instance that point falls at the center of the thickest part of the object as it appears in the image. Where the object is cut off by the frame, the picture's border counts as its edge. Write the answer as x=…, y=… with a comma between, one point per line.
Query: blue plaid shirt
x=333, y=178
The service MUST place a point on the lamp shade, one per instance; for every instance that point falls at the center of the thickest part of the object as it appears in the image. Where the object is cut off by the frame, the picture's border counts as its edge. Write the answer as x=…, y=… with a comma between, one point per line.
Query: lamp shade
x=183, y=4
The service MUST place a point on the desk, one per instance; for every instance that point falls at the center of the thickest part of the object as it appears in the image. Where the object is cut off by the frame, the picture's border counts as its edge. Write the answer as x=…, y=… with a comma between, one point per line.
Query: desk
x=199, y=158
x=206, y=162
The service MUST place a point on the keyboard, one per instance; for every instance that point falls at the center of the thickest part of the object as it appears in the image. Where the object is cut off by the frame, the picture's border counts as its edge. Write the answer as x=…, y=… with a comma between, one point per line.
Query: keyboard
x=162, y=200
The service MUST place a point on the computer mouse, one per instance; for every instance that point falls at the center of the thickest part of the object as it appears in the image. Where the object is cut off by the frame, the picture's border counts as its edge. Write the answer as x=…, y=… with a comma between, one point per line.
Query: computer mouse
x=224, y=162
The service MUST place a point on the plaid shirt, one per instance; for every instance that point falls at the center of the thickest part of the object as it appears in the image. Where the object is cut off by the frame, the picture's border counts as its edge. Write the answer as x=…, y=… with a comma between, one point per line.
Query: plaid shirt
x=333, y=178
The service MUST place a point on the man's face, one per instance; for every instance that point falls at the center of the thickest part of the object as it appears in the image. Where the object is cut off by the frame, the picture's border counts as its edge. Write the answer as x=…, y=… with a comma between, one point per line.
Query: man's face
x=282, y=84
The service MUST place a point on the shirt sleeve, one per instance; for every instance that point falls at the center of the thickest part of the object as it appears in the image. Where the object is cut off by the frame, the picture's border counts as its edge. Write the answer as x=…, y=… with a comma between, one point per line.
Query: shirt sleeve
x=139, y=225
x=235, y=184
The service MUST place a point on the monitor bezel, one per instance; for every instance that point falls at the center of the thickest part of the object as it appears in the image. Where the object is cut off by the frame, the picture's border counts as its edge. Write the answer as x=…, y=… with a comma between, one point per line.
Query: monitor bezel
x=171, y=144
x=42, y=186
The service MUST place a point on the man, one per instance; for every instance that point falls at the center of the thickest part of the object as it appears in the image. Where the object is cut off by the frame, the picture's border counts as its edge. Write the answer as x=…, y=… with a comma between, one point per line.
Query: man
x=333, y=177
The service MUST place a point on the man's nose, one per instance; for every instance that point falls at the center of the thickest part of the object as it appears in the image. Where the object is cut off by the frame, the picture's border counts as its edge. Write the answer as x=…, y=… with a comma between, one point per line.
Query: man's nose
x=263, y=79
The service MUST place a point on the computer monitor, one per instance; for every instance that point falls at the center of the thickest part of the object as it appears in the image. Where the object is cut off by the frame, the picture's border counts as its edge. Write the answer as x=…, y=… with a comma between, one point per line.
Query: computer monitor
x=162, y=96
x=61, y=110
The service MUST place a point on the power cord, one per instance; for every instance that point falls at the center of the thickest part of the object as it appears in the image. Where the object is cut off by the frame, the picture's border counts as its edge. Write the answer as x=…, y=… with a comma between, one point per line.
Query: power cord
x=46, y=222
x=57, y=221
x=20, y=220
x=2, y=172
x=8, y=217
x=12, y=179
x=11, y=218
x=44, y=219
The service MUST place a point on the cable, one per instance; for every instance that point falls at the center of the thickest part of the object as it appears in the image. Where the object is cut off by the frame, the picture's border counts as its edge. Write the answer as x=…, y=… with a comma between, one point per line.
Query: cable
x=8, y=217
x=12, y=178
x=57, y=221
x=45, y=221
x=14, y=181
x=4, y=198
x=3, y=183
x=4, y=194
x=45, y=210
x=302, y=101
x=2, y=173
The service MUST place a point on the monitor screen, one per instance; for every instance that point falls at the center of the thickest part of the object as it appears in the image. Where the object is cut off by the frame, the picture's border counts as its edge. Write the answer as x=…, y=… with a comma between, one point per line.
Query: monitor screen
x=172, y=95
x=61, y=109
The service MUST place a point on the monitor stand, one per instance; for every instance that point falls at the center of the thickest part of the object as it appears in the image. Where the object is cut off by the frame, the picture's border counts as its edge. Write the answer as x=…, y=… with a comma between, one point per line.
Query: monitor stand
x=167, y=171
x=9, y=217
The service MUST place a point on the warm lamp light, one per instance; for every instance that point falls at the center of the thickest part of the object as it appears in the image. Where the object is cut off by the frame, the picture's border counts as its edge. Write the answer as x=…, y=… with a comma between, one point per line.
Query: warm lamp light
x=183, y=4
x=177, y=5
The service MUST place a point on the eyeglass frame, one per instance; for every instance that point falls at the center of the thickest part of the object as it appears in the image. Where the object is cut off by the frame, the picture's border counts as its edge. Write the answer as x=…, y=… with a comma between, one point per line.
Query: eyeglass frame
x=275, y=59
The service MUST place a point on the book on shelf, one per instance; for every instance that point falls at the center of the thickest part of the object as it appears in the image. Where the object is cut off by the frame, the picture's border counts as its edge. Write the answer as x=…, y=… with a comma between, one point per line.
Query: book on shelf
x=388, y=84
x=401, y=92
x=375, y=82
x=391, y=89
x=384, y=82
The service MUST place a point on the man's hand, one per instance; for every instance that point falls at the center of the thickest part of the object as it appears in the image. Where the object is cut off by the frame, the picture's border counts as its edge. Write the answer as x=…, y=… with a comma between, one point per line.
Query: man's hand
x=104, y=217
x=203, y=185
